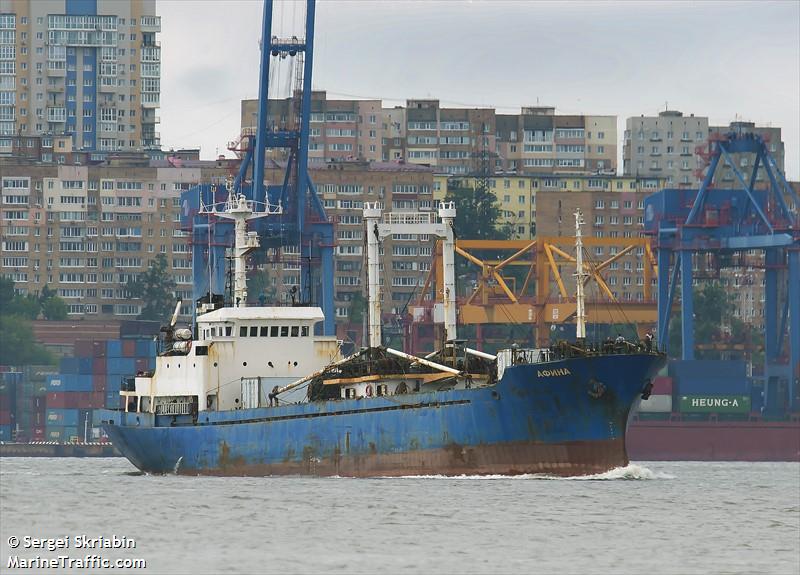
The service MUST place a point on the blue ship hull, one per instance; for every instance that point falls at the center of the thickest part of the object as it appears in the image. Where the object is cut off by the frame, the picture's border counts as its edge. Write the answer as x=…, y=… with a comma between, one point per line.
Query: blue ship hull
x=566, y=417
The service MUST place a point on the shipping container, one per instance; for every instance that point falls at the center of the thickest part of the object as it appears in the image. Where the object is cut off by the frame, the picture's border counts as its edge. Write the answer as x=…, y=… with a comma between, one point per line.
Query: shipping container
x=38, y=432
x=113, y=399
x=713, y=385
x=121, y=365
x=99, y=366
x=141, y=365
x=656, y=404
x=715, y=404
x=662, y=385
x=99, y=382
x=85, y=365
x=756, y=398
x=128, y=348
x=145, y=348
x=56, y=399
x=99, y=349
x=83, y=348
x=62, y=417
x=68, y=365
x=6, y=418
x=700, y=369
x=113, y=348
x=6, y=432
x=72, y=434
x=54, y=433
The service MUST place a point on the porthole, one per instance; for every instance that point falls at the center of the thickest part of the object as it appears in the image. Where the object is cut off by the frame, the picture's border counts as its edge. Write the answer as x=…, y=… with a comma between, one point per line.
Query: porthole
x=295, y=364
x=215, y=364
x=244, y=363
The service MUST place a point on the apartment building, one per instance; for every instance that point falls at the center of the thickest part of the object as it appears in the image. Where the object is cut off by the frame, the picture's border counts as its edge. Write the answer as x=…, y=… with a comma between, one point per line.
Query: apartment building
x=725, y=176
x=338, y=129
x=608, y=214
x=517, y=195
x=539, y=141
x=90, y=70
x=665, y=146
x=84, y=231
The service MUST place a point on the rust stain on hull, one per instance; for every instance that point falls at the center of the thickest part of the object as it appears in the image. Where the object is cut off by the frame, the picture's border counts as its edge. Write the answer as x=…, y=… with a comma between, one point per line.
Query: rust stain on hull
x=562, y=459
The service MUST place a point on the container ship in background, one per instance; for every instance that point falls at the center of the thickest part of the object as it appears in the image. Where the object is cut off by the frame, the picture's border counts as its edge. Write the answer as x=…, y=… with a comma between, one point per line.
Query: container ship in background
x=707, y=410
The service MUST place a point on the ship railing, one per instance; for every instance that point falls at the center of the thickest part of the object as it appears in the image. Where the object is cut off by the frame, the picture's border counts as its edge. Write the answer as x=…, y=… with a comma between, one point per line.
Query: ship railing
x=178, y=408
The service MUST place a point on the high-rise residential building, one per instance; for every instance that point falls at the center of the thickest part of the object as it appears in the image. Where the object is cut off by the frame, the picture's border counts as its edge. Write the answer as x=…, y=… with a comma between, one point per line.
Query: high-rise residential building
x=84, y=231
x=455, y=141
x=338, y=129
x=90, y=69
x=665, y=146
x=725, y=176
x=539, y=141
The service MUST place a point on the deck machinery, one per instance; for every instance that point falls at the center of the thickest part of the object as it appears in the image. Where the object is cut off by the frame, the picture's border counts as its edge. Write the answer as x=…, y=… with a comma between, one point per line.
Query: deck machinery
x=303, y=221
x=726, y=223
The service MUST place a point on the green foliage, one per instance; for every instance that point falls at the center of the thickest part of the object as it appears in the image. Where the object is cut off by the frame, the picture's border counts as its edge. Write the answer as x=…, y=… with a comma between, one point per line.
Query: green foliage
x=477, y=213
x=713, y=309
x=17, y=343
x=54, y=308
x=156, y=289
x=47, y=304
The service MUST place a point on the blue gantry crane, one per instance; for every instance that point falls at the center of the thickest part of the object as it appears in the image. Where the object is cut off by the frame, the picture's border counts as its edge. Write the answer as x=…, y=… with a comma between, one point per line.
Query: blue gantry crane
x=303, y=222
x=724, y=223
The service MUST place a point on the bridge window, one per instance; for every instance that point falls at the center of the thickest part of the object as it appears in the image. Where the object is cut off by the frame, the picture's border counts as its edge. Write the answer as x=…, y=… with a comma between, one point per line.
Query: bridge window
x=264, y=331
x=284, y=331
x=243, y=331
x=201, y=350
x=228, y=331
x=295, y=330
x=254, y=331
x=273, y=331
x=304, y=331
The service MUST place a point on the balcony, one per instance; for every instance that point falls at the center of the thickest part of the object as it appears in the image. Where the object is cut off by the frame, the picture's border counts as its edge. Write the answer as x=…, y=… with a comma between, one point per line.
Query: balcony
x=150, y=23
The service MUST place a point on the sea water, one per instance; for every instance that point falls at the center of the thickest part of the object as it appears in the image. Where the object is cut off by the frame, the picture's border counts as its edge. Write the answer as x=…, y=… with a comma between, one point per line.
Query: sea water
x=647, y=518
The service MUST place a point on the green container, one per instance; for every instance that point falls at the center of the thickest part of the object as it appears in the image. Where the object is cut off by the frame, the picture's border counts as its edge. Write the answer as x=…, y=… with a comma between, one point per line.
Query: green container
x=715, y=404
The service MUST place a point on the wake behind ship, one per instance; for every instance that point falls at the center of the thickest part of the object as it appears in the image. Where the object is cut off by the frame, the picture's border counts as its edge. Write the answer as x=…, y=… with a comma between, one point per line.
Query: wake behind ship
x=230, y=396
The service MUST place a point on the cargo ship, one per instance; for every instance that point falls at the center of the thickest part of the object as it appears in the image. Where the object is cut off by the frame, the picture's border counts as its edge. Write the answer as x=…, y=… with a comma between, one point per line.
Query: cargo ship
x=252, y=390
x=707, y=410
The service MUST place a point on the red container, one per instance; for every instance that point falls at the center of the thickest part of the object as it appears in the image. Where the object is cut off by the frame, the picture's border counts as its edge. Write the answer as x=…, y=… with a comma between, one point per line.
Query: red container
x=99, y=382
x=5, y=417
x=98, y=349
x=83, y=348
x=128, y=348
x=57, y=400
x=662, y=385
x=71, y=399
x=99, y=366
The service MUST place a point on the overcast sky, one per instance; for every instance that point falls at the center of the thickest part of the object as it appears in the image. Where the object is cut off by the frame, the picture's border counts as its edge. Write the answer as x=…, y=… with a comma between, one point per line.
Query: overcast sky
x=725, y=60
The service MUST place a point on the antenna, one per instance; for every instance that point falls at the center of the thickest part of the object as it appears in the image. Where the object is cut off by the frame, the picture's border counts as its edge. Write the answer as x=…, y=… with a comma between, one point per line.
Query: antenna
x=580, y=277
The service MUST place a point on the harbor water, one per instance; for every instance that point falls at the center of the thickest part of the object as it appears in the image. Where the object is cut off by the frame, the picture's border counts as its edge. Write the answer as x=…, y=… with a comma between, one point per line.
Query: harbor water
x=647, y=518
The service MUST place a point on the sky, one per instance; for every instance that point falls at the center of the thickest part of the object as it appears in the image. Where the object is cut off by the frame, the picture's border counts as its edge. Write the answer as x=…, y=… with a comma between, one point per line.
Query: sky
x=723, y=59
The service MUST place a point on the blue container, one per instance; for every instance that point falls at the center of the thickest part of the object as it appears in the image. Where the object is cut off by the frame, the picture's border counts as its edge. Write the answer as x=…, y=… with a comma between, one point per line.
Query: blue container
x=69, y=382
x=145, y=348
x=85, y=365
x=113, y=348
x=113, y=399
x=151, y=362
x=69, y=365
x=5, y=432
x=121, y=365
x=54, y=433
x=699, y=369
x=62, y=417
x=71, y=433
x=713, y=385
x=114, y=383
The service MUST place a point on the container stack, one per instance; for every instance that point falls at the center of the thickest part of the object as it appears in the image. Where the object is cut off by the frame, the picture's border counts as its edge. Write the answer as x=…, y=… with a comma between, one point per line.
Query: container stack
x=9, y=383
x=91, y=380
x=706, y=387
x=22, y=402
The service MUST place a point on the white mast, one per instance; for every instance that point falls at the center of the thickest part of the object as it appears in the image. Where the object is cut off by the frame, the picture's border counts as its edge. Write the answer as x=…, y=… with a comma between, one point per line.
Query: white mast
x=372, y=214
x=239, y=209
x=580, y=277
x=447, y=212
x=378, y=227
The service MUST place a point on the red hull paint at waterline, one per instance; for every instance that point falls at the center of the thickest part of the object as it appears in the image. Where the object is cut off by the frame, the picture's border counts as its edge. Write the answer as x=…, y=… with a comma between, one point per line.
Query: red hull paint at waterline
x=714, y=441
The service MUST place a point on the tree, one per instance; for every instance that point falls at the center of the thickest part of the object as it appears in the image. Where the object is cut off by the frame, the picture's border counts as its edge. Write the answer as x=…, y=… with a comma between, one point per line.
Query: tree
x=52, y=306
x=477, y=213
x=18, y=345
x=156, y=289
x=713, y=309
